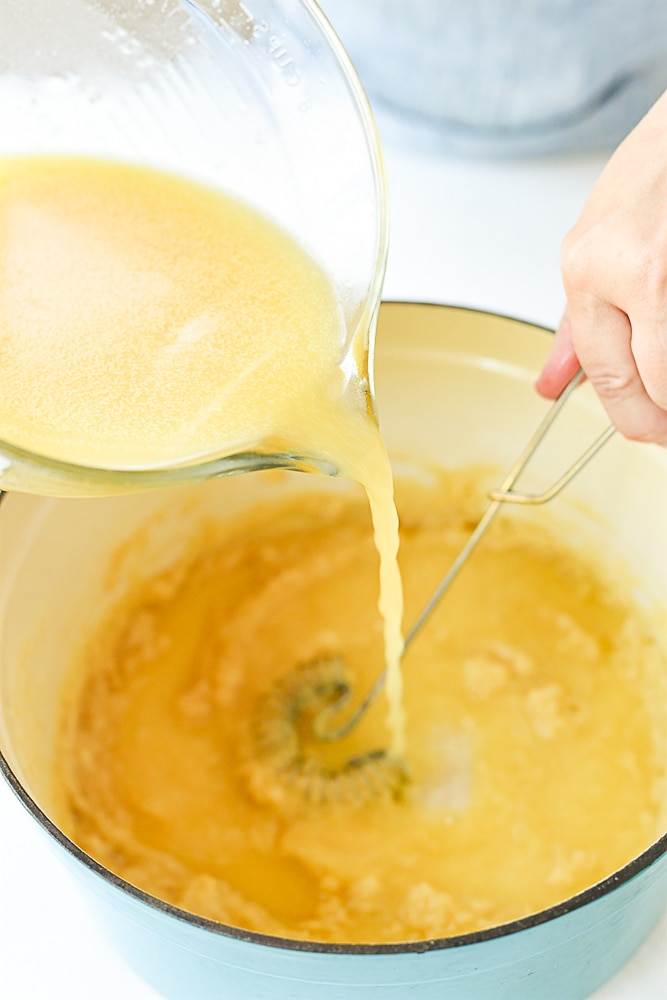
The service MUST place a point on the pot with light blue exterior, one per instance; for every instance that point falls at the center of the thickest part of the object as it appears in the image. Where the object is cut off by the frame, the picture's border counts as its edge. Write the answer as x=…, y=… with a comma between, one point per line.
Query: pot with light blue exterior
x=436, y=367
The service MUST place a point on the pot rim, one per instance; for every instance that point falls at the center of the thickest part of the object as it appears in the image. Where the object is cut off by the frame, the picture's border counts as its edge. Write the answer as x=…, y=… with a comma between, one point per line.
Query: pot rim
x=607, y=885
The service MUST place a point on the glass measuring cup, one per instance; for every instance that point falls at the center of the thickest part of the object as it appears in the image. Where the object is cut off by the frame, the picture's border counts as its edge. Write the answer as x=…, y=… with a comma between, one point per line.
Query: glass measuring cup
x=254, y=97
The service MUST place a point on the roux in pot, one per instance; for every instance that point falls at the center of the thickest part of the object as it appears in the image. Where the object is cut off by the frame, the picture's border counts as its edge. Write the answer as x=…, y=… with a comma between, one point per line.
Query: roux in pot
x=534, y=733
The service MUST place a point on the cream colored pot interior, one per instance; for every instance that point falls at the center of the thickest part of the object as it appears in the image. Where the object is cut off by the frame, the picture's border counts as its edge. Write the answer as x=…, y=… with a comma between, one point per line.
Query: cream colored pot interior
x=453, y=387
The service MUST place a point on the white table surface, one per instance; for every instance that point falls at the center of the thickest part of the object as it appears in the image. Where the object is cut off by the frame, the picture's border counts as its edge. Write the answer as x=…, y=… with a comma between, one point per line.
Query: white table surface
x=485, y=235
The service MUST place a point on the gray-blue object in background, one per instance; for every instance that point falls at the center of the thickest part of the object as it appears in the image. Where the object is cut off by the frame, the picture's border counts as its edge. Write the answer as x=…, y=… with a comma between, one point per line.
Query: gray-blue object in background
x=511, y=77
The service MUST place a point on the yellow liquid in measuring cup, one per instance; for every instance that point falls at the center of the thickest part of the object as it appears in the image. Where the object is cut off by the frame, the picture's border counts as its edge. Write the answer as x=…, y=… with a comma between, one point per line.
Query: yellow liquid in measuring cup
x=146, y=320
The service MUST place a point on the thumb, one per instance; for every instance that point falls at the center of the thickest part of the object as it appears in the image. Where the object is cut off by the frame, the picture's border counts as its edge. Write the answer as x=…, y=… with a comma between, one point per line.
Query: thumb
x=562, y=363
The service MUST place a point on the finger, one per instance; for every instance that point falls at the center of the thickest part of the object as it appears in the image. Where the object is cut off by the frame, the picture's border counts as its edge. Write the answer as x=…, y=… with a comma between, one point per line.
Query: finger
x=602, y=339
x=649, y=347
x=561, y=365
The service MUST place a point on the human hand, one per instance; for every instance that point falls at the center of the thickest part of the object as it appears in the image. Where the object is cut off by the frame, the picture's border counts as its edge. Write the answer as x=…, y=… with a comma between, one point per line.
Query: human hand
x=614, y=265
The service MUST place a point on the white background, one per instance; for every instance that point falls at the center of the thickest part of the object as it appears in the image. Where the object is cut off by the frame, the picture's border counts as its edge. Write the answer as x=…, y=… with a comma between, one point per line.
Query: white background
x=485, y=235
